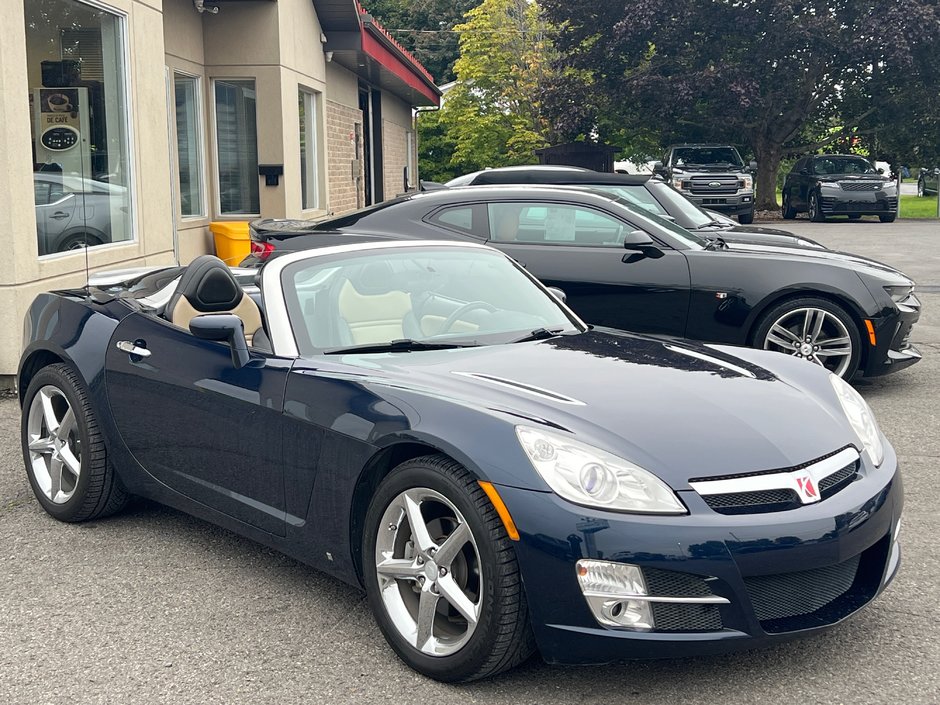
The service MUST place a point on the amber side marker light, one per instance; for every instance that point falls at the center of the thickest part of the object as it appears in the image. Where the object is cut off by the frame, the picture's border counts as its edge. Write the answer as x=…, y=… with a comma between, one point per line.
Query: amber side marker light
x=871, y=332
x=501, y=509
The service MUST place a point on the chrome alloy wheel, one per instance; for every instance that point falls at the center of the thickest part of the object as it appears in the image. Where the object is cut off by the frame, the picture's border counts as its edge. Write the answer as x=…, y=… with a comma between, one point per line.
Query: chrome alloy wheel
x=55, y=449
x=429, y=571
x=814, y=334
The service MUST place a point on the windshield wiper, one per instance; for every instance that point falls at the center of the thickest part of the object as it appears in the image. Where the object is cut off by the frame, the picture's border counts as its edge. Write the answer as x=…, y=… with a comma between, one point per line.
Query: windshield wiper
x=538, y=334
x=403, y=345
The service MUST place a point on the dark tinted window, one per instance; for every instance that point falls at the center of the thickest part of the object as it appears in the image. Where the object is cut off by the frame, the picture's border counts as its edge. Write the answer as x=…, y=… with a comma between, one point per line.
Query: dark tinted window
x=469, y=219
x=554, y=224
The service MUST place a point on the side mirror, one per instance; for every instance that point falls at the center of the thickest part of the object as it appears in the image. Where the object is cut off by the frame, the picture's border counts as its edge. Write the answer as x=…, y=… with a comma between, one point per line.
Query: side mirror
x=658, y=168
x=637, y=240
x=223, y=327
x=557, y=293
x=804, y=170
x=880, y=170
x=752, y=166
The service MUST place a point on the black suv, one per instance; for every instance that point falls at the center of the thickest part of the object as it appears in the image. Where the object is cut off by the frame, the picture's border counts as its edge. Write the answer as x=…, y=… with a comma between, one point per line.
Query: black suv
x=712, y=176
x=839, y=184
x=928, y=181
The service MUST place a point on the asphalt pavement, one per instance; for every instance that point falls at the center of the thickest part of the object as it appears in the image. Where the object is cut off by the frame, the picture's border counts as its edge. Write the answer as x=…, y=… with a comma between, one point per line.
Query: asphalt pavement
x=153, y=606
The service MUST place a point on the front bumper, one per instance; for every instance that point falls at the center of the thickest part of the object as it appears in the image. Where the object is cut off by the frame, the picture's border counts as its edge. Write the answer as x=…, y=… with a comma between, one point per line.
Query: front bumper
x=893, y=350
x=755, y=561
x=839, y=202
x=728, y=204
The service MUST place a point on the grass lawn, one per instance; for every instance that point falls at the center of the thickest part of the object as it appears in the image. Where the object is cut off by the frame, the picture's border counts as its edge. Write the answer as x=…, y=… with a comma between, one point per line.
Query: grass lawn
x=916, y=207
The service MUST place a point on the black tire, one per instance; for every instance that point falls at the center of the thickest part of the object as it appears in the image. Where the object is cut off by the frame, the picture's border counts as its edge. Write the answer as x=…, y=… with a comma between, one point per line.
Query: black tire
x=502, y=637
x=792, y=307
x=77, y=240
x=98, y=491
x=746, y=218
x=888, y=218
x=815, y=208
x=855, y=216
x=786, y=210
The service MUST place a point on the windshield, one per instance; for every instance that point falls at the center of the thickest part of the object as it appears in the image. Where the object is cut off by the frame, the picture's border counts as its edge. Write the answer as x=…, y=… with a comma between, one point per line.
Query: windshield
x=842, y=165
x=705, y=156
x=691, y=215
x=435, y=295
x=689, y=239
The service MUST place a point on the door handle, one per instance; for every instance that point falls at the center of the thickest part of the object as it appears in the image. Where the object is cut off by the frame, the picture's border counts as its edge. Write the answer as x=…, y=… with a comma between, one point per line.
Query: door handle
x=59, y=215
x=132, y=348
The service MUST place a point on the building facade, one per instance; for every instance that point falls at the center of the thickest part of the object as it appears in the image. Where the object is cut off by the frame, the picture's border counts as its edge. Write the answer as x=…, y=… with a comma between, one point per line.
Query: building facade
x=130, y=125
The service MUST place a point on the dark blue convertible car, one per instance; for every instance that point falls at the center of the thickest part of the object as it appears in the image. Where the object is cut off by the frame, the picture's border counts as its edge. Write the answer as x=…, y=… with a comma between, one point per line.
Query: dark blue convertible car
x=429, y=422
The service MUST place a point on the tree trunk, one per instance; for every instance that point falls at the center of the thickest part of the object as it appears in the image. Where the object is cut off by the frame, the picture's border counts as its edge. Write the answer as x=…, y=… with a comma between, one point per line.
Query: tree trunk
x=768, y=163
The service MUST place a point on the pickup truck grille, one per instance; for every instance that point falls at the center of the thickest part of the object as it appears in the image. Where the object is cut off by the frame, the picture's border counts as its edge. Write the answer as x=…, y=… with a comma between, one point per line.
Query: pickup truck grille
x=699, y=185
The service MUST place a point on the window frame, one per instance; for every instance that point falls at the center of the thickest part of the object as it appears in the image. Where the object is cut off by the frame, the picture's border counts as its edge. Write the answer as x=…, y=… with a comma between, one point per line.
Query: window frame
x=216, y=176
x=313, y=100
x=199, y=100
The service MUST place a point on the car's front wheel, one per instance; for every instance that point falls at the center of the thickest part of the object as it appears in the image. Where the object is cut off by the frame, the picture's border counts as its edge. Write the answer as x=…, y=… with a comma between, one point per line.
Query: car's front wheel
x=890, y=218
x=746, y=218
x=66, y=460
x=441, y=573
x=815, y=208
x=787, y=210
x=814, y=329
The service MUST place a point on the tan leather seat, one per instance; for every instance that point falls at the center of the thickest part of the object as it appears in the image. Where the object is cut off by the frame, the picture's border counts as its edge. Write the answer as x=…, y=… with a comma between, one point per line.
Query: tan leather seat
x=207, y=286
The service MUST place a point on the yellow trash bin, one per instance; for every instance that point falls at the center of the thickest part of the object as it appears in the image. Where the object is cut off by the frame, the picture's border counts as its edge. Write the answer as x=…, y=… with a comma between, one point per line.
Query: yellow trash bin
x=232, y=241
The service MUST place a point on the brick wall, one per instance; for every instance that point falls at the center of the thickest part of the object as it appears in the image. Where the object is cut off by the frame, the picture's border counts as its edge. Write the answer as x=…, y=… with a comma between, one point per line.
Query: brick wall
x=346, y=190
x=394, y=153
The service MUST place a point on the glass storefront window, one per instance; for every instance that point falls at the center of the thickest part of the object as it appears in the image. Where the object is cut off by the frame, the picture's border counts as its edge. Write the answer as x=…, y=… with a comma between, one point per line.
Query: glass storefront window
x=237, y=147
x=189, y=145
x=309, y=137
x=78, y=108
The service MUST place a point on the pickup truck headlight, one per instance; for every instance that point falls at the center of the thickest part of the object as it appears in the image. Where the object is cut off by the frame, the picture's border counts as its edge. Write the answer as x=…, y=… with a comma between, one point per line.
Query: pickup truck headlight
x=595, y=478
x=861, y=419
x=677, y=183
x=747, y=182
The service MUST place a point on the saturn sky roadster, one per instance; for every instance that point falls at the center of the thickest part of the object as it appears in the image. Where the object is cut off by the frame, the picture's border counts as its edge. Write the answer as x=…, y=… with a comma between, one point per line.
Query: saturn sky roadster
x=426, y=421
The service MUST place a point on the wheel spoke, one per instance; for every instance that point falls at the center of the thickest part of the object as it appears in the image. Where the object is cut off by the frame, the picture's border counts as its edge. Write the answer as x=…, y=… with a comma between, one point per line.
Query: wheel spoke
x=427, y=608
x=55, y=477
x=451, y=547
x=419, y=530
x=452, y=592
x=818, y=319
x=70, y=462
x=66, y=425
x=780, y=342
x=398, y=568
x=48, y=413
x=835, y=346
x=788, y=337
x=43, y=445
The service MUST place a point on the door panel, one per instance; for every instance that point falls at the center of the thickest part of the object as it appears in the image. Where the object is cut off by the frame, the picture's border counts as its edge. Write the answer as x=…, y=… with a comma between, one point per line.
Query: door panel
x=198, y=425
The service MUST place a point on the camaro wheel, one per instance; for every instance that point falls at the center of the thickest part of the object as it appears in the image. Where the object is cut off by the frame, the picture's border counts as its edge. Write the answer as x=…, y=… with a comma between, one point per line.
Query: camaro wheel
x=787, y=211
x=814, y=329
x=441, y=573
x=66, y=460
x=815, y=209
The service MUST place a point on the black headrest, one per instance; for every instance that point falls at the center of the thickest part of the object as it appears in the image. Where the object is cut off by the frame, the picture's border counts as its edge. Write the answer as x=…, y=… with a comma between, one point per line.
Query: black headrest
x=208, y=285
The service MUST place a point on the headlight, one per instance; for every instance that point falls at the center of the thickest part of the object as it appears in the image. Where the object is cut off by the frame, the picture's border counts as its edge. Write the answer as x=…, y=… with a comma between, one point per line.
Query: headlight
x=899, y=293
x=677, y=183
x=829, y=184
x=890, y=186
x=861, y=418
x=747, y=182
x=590, y=476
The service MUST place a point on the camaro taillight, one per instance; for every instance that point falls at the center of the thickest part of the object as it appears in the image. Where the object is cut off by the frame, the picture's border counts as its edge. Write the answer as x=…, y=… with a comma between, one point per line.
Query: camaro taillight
x=261, y=250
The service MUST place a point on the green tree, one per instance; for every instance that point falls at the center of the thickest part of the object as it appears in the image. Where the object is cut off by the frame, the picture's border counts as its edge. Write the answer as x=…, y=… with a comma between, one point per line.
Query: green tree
x=493, y=115
x=426, y=29
x=780, y=76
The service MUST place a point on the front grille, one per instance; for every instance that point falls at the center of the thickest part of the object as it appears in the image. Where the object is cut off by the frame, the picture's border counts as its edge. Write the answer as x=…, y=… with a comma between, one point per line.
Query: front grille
x=838, y=480
x=699, y=185
x=860, y=185
x=753, y=502
x=677, y=617
x=788, y=595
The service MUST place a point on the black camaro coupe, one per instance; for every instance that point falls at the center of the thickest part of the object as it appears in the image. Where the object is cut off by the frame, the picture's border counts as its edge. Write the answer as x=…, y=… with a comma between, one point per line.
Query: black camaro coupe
x=440, y=429
x=624, y=267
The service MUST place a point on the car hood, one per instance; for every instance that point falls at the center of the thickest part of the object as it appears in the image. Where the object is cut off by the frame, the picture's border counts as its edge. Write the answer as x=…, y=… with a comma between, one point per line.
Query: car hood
x=846, y=259
x=679, y=409
x=767, y=236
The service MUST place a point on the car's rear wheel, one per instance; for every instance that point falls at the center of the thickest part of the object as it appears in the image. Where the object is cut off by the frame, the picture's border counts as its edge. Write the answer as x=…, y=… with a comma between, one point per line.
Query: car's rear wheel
x=66, y=460
x=746, y=218
x=441, y=573
x=76, y=241
x=787, y=210
x=814, y=329
x=815, y=209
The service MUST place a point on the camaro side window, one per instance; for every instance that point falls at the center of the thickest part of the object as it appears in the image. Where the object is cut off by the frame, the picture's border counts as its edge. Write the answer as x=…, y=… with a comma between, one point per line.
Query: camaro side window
x=553, y=223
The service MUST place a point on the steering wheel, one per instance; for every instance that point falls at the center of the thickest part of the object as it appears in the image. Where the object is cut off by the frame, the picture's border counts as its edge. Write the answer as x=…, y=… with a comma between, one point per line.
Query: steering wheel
x=466, y=308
